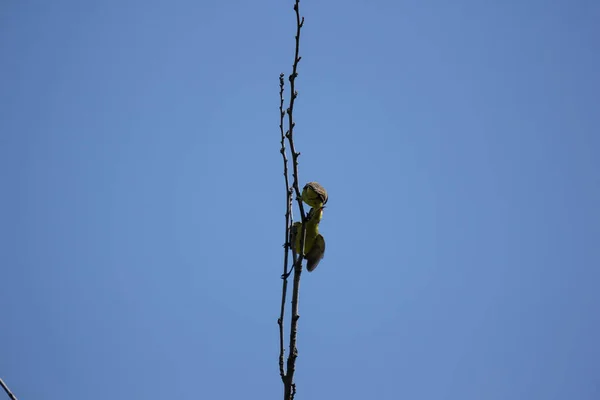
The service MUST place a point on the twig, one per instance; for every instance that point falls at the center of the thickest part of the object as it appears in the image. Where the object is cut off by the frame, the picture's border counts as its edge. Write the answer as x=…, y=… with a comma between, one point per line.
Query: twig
x=289, y=386
x=288, y=223
x=7, y=390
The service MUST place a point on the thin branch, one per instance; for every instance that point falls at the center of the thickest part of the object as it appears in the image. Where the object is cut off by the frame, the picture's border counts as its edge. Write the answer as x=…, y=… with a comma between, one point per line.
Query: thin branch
x=288, y=223
x=289, y=386
x=7, y=390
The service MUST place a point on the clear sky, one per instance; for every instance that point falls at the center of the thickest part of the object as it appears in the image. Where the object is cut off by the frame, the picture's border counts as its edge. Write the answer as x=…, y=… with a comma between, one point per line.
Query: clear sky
x=142, y=199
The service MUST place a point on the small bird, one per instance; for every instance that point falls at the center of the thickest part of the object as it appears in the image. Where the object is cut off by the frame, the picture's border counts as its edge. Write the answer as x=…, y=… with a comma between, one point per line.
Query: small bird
x=314, y=195
x=314, y=243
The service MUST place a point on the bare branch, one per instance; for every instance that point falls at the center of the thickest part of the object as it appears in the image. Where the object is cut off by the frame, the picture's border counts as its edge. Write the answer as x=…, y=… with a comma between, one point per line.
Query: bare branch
x=297, y=256
x=288, y=223
x=289, y=386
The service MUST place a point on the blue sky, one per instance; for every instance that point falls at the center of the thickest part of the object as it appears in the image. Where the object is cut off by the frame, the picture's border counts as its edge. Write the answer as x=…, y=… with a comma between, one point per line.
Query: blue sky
x=142, y=205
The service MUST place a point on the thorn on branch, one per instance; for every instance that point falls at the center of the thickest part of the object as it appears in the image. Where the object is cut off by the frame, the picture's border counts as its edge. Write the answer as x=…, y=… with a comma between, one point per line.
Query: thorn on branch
x=302, y=22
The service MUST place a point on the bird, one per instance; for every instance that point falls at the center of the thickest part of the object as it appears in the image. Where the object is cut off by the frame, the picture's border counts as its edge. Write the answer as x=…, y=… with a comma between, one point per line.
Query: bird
x=314, y=195
x=314, y=242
